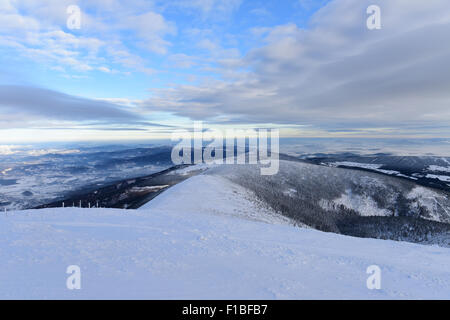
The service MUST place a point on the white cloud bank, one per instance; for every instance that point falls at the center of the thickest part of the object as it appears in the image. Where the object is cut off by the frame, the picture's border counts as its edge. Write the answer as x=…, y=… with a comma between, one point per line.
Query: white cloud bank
x=37, y=30
x=337, y=74
x=22, y=106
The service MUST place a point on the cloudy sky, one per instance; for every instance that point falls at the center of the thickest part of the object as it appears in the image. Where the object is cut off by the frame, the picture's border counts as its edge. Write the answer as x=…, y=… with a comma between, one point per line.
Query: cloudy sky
x=138, y=69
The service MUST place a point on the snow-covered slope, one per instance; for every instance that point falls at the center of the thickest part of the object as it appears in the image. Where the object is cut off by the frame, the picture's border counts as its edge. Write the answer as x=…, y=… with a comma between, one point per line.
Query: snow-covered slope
x=214, y=195
x=204, y=238
x=319, y=196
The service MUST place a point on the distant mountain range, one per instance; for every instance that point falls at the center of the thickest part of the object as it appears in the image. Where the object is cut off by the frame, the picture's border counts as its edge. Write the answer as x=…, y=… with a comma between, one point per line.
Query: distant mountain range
x=29, y=180
x=380, y=195
x=350, y=202
x=429, y=171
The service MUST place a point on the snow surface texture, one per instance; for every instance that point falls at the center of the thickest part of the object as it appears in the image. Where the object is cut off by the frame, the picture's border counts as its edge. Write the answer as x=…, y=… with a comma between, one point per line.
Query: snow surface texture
x=217, y=196
x=204, y=239
x=32, y=177
x=367, y=193
x=371, y=166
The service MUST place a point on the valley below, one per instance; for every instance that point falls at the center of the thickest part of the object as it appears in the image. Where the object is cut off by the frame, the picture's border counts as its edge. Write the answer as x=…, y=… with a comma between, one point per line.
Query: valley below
x=227, y=232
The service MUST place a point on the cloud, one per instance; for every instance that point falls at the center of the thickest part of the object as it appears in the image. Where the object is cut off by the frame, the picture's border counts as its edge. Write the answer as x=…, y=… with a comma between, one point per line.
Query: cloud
x=22, y=106
x=336, y=73
x=261, y=12
x=150, y=27
x=182, y=61
x=211, y=8
x=111, y=30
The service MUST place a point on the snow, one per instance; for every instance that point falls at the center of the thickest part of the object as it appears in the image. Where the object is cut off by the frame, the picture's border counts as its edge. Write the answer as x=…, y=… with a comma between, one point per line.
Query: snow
x=207, y=194
x=439, y=168
x=291, y=192
x=429, y=199
x=372, y=166
x=204, y=238
x=148, y=188
x=388, y=171
x=193, y=168
x=439, y=177
x=363, y=204
x=5, y=172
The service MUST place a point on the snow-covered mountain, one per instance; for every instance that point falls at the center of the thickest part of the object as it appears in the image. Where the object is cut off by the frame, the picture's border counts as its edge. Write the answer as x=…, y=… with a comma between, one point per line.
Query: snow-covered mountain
x=205, y=238
x=350, y=202
x=29, y=178
x=428, y=171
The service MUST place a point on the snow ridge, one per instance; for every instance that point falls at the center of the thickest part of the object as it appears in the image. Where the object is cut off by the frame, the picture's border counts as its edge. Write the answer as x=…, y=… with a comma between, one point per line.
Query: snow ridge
x=193, y=242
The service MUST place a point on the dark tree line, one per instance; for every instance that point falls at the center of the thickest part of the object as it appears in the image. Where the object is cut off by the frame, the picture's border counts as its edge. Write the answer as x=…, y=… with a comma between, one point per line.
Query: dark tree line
x=305, y=193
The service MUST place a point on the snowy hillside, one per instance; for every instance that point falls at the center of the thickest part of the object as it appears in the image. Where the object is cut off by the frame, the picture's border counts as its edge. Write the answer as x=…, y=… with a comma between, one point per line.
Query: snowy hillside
x=349, y=202
x=29, y=178
x=213, y=195
x=204, y=238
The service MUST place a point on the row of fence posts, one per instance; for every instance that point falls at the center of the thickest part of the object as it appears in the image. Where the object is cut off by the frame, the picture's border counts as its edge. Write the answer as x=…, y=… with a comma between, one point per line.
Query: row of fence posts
x=81, y=206
x=63, y=206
